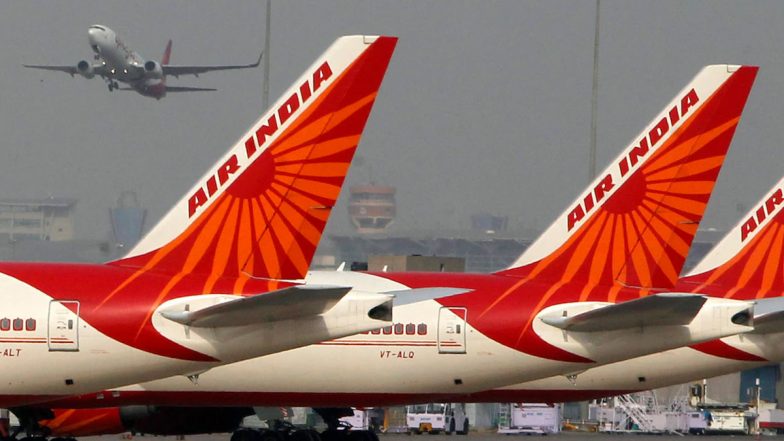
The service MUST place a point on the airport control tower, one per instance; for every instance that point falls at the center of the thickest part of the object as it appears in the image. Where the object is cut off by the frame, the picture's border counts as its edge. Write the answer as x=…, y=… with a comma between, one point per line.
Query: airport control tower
x=127, y=220
x=371, y=208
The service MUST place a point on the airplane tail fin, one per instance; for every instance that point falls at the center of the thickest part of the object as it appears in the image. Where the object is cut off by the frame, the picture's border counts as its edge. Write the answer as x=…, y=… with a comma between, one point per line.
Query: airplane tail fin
x=166, y=54
x=633, y=226
x=261, y=209
x=749, y=261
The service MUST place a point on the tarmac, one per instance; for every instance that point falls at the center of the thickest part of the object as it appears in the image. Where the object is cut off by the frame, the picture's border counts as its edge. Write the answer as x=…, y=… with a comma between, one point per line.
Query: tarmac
x=473, y=436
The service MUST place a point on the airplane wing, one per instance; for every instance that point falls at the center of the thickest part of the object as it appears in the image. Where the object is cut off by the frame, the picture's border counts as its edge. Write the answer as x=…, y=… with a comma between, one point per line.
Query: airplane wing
x=656, y=310
x=188, y=89
x=177, y=89
x=176, y=71
x=97, y=69
x=286, y=303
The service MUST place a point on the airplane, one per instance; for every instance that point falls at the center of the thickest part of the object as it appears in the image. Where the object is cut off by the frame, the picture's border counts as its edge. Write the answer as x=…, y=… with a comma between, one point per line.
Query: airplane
x=215, y=281
x=597, y=286
x=746, y=264
x=116, y=62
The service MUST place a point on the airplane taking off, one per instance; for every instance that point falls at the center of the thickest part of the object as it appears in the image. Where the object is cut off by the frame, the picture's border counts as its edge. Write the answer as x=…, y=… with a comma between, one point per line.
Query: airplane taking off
x=596, y=287
x=117, y=63
x=215, y=280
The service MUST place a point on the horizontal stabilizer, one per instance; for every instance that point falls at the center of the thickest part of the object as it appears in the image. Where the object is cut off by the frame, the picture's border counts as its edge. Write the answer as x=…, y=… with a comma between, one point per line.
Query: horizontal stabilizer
x=287, y=303
x=655, y=310
x=408, y=296
x=769, y=316
x=188, y=89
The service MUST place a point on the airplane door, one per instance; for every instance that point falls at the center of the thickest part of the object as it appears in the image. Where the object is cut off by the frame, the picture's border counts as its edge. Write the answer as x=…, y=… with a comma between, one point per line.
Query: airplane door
x=451, y=330
x=63, y=330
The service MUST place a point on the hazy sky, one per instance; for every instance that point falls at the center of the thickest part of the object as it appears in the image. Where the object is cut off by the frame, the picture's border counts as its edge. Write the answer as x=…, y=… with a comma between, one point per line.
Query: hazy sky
x=486, y=105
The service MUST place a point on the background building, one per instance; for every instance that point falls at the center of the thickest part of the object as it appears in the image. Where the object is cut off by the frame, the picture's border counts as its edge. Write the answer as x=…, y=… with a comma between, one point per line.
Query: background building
x=36, y=219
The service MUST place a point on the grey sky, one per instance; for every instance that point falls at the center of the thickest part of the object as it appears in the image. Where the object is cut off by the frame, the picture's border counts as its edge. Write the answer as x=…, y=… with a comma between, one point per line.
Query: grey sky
x=485, y=105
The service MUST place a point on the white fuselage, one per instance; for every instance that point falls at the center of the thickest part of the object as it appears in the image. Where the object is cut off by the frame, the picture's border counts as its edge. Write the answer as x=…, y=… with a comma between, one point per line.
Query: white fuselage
x=666, y=368
x=431, y=350
x=124, y=64
x=47, y=350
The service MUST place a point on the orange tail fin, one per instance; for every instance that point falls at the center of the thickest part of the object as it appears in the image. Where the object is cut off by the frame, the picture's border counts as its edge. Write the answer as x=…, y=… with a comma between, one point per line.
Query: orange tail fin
x=261, y=209
x=634, y=224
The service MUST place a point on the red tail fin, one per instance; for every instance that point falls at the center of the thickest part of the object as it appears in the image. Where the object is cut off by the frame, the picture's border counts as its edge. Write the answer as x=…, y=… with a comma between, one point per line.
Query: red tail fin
x=749, y=262
x=261, y=209
x=166, y=54
x=634, y=225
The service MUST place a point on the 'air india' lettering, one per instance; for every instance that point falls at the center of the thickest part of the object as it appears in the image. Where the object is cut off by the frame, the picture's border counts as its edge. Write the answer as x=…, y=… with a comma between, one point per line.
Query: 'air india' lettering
x=629, y=162
x=764, y=211
x=213, y=185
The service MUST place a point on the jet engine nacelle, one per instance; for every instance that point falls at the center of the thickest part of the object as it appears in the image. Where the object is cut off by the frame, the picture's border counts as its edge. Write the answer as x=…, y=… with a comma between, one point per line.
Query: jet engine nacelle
x=144, y=419
x=85, y=69
x=153, y=69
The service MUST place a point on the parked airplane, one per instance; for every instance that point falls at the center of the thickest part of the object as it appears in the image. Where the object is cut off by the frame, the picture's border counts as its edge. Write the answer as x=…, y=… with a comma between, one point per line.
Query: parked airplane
x=117, y=63
x=587, y=292
x=211, y=283
x=746, y=264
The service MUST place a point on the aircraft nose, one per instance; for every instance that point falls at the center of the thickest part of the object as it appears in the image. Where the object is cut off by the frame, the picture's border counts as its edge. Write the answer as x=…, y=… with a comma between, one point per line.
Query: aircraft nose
x=93, y=35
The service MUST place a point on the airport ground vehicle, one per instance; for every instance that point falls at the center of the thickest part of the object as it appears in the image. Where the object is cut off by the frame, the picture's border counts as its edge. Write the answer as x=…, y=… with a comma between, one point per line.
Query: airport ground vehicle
x=435, y=418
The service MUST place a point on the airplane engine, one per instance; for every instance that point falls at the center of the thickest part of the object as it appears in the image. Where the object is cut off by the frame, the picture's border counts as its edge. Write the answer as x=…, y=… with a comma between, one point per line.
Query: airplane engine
x=85, y=69
x=153, y=69
x=151, y=420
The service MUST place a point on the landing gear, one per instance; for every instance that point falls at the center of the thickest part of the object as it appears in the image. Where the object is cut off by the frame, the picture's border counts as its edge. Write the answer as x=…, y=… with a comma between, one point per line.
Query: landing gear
x=337, y=430
x=276, y=434
x=113, y=85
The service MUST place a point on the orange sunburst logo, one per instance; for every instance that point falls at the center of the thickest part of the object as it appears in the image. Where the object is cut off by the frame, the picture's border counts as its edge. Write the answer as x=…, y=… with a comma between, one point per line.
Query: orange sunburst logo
x=635, y=242
x=755, y=272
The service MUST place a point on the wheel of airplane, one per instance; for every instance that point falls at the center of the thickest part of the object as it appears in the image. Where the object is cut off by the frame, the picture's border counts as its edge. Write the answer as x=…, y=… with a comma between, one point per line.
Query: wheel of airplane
x=245, y=435
x=335, y=435
x=270, y=435
x=303, y=435
x=314, y=435
x=360, y=435
x=111, y=87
